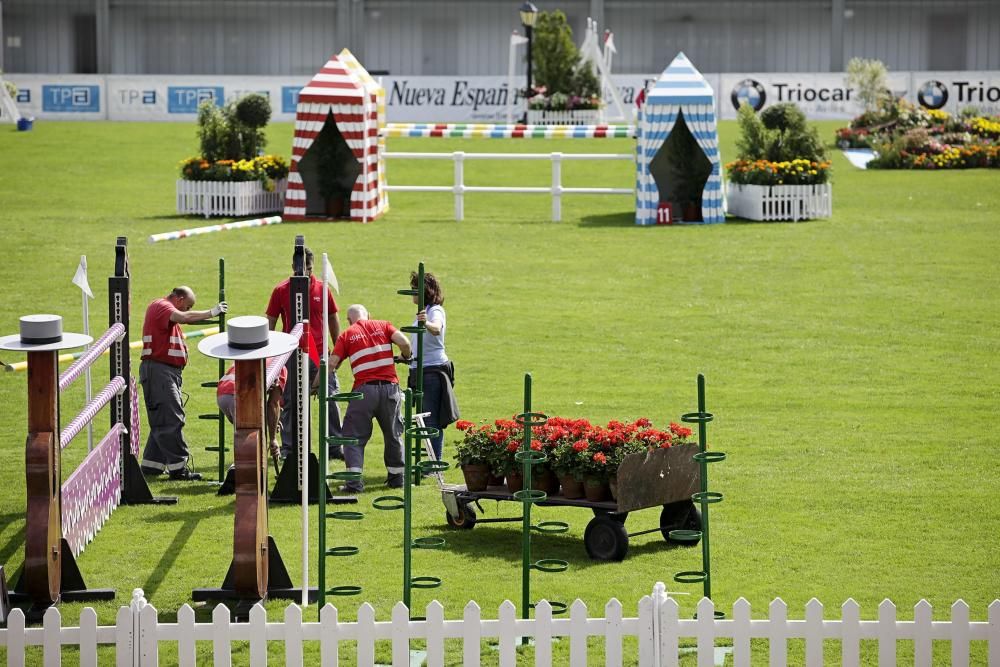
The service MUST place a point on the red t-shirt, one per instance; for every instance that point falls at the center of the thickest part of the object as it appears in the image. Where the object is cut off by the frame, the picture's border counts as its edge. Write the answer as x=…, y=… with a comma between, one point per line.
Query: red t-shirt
x=227, y=383
x=162, y=339
x=367, y=344
x=278, y=307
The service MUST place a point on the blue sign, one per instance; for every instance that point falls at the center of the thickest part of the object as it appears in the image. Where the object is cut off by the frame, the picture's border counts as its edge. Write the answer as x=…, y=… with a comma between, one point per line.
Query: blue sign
x=77, y=99
x=185, y=99
x=289, y=98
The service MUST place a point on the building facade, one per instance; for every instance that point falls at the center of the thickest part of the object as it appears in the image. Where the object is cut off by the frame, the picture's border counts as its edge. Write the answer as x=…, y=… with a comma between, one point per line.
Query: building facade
x=471, y=37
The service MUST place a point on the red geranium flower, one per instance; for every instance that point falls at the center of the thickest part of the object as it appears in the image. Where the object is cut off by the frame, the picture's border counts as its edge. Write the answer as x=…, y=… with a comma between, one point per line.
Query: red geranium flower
x=463, y=424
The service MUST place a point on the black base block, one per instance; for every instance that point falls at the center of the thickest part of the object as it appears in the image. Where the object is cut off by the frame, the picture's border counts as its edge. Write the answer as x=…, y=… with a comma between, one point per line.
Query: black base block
x=136, y=490
x=279, y=585
x=286, y=488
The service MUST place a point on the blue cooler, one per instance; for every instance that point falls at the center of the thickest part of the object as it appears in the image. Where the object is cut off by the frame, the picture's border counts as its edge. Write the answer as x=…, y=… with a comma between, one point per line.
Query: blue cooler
x=24, y=124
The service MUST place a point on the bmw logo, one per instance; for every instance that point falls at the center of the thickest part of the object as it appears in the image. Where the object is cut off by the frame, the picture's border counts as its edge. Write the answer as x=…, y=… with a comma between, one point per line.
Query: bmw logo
x=751, y=92
x=932, y=95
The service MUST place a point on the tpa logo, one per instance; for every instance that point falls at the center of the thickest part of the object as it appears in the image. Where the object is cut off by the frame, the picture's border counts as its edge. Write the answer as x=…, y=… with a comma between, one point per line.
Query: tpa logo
x=289, y=98
x=751, y=92
x=73, y=99
x=185, y=99
x=932, y=95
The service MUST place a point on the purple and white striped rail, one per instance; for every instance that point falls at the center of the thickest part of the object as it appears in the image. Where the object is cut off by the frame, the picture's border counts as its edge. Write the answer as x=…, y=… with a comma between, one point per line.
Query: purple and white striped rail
x=92, y=492
x=110, y=337
x=111, y=390
x=133, y=432
x=275, y=365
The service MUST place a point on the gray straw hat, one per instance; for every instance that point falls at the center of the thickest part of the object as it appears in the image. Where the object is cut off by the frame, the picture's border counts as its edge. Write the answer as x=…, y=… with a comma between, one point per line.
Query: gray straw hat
x=247, y=337
x=43, y=333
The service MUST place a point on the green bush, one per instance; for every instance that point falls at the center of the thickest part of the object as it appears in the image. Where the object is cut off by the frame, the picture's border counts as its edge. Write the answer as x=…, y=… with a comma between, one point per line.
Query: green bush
x=557, y=65
x=235, y=131
x=779, y=134
x=869, y=80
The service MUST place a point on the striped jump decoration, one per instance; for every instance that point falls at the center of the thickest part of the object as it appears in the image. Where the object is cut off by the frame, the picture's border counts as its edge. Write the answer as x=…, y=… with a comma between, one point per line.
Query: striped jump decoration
x=210, y=229
x=61, y=519
x=500, y=131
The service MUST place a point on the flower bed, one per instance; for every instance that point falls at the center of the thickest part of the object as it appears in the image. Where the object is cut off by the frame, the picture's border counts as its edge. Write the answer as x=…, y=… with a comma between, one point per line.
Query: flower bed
x=779, y=202
x=232, y=187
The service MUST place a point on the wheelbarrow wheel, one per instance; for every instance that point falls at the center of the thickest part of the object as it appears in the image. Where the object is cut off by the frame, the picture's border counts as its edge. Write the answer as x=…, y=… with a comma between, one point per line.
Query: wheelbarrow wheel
x=464, y=522
x=605, y=539
x=682, y=515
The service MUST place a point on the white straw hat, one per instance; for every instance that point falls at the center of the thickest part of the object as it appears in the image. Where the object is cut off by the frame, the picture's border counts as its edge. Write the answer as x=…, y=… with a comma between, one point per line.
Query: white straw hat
x=247, y=337
x=43, y=333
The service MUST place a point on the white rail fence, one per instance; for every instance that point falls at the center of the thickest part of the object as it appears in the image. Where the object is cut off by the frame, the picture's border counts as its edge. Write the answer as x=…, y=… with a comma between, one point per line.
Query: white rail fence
x=137, y=634
x=556, y=190
x=210, y=198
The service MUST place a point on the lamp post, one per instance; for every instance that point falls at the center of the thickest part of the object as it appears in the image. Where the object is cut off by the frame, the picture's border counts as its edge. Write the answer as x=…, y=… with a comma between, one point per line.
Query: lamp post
x=529, y=13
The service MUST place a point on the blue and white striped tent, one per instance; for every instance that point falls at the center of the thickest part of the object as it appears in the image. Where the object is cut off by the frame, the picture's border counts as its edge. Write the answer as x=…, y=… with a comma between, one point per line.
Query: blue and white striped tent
x=680, y=91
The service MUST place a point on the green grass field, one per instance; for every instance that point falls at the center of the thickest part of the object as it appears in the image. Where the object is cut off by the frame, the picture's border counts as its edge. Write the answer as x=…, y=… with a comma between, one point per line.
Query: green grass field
x=852, y=365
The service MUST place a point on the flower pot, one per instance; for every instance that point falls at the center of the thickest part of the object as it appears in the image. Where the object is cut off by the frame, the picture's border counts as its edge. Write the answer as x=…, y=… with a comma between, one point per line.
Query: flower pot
x=477, y=476
x=595, y=489
x=495, y=480
x=515, y=481
x=572, y=488
x=543, y=479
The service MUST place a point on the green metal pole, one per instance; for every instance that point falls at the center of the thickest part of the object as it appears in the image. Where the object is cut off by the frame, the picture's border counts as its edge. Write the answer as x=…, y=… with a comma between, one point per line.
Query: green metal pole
x=702, y=446
x=419, y=403
x=526, y=513
x=407, y=496
x=222, y=371
x=321, y=484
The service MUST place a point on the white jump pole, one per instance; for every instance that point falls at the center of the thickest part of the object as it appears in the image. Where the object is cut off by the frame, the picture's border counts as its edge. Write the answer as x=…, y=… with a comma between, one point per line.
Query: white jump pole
x=304, y=462
x=515, y=41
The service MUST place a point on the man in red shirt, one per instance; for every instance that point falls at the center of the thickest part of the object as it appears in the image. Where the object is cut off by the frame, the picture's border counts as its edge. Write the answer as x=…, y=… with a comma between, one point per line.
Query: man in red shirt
x=164, y=356
x=279, y=306
x=368, y=345
x=225, y=398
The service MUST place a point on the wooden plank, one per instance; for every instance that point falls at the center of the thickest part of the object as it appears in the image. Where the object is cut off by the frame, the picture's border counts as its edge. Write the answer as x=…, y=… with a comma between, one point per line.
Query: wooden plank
x=814, y=633
x=328, y=636
x=51, y=648
x=578, y=633
x=186, y=655
x=435, y=633
x=88, y=637
x=657, y=477
x=741, y=633
x=613, y=633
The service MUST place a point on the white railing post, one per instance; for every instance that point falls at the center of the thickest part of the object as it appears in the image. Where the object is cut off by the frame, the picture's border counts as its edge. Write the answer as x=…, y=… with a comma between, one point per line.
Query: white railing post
x=459, y=157
x=556, y=187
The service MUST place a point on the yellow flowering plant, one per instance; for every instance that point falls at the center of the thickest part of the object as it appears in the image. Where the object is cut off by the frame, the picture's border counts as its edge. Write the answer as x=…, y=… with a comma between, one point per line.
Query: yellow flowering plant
x=264, y=168
x=790, y=172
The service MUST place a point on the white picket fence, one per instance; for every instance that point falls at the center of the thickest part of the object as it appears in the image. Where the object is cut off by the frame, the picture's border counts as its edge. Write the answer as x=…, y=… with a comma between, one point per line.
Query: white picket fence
x=210, y=198
x=556, y=190
x=576, y=117
x=779, y=202
x=137, y=634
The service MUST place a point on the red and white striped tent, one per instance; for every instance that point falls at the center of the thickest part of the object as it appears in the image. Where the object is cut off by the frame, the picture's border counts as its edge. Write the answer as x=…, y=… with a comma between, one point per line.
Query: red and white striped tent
x=340, y=94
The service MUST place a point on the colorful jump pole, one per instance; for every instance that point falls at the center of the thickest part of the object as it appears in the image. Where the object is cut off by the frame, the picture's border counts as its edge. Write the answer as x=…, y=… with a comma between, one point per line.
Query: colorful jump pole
x=209, y=229
x=485, y=131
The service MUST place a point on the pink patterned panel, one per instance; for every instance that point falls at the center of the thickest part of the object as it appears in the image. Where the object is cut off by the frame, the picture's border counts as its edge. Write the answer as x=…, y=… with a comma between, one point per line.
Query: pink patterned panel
x=92, y=492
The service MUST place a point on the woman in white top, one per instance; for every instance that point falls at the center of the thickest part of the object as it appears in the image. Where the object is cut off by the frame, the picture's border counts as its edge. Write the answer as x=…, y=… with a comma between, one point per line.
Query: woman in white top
x=437, y=368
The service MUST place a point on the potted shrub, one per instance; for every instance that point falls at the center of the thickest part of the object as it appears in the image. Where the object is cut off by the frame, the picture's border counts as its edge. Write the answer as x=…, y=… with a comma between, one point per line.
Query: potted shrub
x=566, y=90
x=781, y=172
x=231, y=176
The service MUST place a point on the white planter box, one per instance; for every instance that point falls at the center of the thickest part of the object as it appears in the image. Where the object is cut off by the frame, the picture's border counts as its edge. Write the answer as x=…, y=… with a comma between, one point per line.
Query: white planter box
x=779, y=202
x=229, y=199
x=581, y=117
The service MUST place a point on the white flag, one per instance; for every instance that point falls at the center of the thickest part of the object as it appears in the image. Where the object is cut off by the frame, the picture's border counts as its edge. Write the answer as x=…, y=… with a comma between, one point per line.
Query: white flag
x=80, y=278
x=516, y=39
x=609, y=41
x=329, y=276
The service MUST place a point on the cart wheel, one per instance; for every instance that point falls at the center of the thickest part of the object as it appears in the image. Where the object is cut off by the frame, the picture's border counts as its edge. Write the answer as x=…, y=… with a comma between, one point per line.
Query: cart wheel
x=464, y=522
x=605, y=538
x=682, y=515
x=617, y=516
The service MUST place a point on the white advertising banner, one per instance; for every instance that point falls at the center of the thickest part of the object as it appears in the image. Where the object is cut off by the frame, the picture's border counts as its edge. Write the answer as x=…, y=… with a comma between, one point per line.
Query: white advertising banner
x=60, y=96
x=483, y=99
x=818, y=95
x=954, y=91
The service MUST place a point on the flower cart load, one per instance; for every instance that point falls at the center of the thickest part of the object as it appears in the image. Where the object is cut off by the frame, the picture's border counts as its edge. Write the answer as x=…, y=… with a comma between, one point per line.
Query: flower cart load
x=612, y=470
